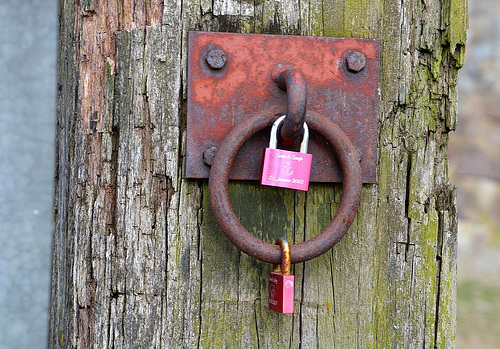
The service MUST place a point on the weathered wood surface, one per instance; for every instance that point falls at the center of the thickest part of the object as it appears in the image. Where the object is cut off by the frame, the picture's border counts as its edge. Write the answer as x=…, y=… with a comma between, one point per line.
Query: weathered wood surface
x=138, y=259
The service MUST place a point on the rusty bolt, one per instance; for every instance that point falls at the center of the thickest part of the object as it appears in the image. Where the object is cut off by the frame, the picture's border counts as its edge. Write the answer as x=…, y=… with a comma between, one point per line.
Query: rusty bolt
x=216, y=59
x=355, y=61
x=209, y=155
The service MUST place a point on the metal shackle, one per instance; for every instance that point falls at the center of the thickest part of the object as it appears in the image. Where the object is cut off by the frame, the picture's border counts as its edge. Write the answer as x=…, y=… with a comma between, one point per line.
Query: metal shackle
x=273, y=142
x=286, y=259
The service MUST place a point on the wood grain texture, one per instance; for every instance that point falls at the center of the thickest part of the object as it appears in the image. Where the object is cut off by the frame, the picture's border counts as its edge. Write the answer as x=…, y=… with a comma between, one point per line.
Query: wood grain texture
x=138, y=259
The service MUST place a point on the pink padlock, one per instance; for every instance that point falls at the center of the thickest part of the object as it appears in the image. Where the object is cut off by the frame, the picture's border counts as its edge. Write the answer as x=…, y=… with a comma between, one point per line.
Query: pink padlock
x=284, y=168
x=281, y=282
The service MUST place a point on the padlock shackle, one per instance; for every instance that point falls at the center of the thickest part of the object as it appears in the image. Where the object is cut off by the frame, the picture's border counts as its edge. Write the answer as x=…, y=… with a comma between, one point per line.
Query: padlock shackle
x=286, y=259
x=273, y=141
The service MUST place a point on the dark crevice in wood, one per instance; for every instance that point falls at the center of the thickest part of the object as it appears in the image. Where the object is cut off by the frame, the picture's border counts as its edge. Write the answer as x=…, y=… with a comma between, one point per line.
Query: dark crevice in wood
x=444, y=203
x=201, y=218
x=111, y=191
x=168, y=188
x=407, y=204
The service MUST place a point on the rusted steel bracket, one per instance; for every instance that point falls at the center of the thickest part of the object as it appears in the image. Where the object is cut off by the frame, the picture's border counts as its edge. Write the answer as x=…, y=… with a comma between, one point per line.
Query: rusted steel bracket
x=232, y=77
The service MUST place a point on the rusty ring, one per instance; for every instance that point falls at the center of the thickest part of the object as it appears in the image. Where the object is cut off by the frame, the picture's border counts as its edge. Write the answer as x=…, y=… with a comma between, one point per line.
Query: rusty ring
x=232, y=227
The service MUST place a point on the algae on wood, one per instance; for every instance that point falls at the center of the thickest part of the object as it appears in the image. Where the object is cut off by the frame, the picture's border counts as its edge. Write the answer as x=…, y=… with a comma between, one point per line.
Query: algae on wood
x=138, y=258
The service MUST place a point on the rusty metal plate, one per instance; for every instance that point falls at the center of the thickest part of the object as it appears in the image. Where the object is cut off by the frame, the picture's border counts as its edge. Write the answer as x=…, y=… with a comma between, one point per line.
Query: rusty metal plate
x=230, y=78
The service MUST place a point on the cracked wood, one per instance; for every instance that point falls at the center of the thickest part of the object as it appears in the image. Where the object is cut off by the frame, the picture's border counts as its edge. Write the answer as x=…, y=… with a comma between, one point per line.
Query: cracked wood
x=138, y=260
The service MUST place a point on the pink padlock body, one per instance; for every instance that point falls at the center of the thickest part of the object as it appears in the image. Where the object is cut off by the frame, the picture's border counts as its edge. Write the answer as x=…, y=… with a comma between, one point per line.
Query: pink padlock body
x=286, y=169
x=281, y=289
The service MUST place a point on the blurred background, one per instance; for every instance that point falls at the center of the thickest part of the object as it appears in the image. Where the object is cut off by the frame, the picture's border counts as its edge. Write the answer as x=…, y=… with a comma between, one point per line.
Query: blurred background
x=474, y=158
x=28, y=44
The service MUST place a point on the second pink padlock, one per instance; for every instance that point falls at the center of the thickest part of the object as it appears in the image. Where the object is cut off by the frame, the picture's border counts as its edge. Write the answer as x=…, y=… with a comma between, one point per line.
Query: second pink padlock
x=284, y=168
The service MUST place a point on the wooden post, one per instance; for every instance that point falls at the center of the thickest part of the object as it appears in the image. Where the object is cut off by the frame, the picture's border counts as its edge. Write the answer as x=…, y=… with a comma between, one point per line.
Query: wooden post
x=138, y=260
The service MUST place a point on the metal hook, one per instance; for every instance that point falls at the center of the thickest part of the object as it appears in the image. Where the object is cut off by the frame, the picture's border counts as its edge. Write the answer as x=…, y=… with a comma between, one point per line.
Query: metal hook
x=293, y=82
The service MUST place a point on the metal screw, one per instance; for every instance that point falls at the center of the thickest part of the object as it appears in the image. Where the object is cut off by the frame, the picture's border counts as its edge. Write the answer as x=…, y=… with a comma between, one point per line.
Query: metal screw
x=216, y=59
x=209, y=155
x=355, y=61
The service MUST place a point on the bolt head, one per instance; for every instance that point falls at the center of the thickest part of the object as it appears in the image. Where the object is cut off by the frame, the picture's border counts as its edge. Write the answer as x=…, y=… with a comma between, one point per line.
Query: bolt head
x=209, y=155
x=355, y=61
x=216, y=59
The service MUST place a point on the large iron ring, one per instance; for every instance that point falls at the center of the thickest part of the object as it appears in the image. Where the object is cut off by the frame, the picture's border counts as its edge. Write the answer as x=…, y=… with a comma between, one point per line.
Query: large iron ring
x=231, y=226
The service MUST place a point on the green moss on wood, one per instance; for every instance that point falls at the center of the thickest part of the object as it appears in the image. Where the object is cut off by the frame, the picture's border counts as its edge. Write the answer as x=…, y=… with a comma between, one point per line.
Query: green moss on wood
x=457, y=29
x=362, y=19
x=382, y=286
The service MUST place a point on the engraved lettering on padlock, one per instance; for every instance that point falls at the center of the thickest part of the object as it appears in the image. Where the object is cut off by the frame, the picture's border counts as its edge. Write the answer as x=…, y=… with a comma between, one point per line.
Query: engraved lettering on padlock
x=284, y=168
x=281, y=282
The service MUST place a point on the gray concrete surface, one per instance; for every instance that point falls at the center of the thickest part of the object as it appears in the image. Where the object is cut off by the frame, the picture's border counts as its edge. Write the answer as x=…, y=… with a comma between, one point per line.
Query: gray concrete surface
x=27, y=122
